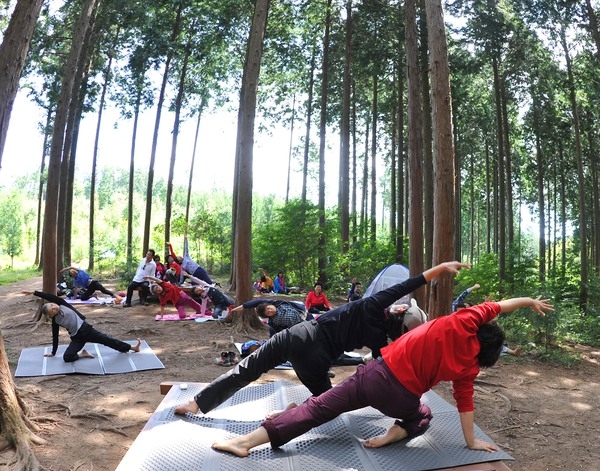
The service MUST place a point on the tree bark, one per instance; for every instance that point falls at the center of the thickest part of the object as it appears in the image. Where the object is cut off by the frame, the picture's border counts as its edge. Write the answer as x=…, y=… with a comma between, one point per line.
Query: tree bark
x=13, y=51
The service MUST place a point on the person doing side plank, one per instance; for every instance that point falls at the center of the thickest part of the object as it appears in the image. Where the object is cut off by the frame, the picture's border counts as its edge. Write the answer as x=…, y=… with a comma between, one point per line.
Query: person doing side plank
x=449, y=348
x=65, y=315
x=311, y=346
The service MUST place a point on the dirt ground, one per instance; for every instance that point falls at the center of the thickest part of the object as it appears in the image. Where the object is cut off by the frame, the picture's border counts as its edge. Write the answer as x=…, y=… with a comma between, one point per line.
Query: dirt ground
x=544, y=416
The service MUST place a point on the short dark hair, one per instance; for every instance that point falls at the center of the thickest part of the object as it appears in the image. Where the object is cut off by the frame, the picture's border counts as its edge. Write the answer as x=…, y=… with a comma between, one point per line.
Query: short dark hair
x=318, y=283
x=491, y=338
x=261, y=309
x=153, y=252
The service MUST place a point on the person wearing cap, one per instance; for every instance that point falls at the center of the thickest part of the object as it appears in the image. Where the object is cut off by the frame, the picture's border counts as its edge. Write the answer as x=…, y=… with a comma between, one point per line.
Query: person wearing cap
x=448, y=348
x=312, y=346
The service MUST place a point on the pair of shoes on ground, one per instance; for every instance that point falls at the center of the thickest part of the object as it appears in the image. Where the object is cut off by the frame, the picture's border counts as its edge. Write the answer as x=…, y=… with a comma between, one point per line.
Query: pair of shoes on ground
x=227, y=359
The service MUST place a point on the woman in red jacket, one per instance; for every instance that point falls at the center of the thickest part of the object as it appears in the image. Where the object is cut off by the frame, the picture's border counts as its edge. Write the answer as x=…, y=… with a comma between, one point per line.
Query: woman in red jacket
x=448, y=348
x=316, y=301
x=166, y=292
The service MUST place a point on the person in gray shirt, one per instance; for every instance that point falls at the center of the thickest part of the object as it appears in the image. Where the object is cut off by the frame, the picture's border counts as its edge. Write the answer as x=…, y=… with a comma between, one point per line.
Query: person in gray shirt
x=65, y=315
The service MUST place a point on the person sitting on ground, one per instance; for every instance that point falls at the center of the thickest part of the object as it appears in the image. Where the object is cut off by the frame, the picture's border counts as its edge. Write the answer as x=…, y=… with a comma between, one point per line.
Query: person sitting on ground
x=160, y=268
x=188, y=265
x=460, y=303
x=316, y=301
x=65, y=315
x=354, y=293
x=173, y=271
x=280, y=315
x=84, y=286
x=266, y=282
x=147, y=267
x=457, y=347
x=312, y=346
x=279, y=286
x=202, y=290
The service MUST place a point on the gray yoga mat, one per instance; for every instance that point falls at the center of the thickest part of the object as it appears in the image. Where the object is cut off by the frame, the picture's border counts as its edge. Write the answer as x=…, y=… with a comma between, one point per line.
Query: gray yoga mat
x=172, y=442
x=32, y=361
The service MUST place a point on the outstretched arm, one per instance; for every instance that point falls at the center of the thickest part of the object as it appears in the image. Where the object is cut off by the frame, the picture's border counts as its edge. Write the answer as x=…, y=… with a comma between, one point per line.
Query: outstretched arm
x=153, y=278
x=538, y=305
x=446, y=267
x=171, y=251
x=197, y=281
x=67, y=268
x=466, y=423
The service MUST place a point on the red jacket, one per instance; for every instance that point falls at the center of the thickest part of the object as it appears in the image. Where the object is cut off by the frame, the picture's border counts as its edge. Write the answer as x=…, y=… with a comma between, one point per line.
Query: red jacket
x=444, y=349
x=169, y=293
x=313, y=300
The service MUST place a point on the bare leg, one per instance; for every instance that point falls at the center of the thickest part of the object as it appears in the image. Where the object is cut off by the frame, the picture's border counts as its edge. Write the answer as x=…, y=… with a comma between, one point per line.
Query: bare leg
x=85, y=354
x=240, y=446
x=136, y=347
x=516, y=352
x=394, y=434
x=190, y=407
x=277, y=413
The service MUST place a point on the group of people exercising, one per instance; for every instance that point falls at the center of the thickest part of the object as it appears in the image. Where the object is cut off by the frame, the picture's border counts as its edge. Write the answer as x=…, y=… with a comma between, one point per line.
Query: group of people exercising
x=411, y=355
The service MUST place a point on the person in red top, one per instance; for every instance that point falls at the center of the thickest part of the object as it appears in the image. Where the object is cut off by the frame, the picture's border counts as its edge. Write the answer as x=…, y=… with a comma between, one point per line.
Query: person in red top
x=173, y=271
x=168, y=292
x=449, y=348
x=316, y=301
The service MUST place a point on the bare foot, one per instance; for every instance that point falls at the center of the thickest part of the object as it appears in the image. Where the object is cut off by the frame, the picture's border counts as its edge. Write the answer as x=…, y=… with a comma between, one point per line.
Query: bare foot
x=136, y=347
x=234, y=446
x=190, y=407
x=85, y=354
x=394, y=434
x=277, y=413
x=518, y=351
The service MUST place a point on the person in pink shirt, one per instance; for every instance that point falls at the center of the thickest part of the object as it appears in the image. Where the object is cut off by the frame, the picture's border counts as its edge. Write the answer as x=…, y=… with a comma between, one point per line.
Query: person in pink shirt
x=316, y=301
x=448, y=348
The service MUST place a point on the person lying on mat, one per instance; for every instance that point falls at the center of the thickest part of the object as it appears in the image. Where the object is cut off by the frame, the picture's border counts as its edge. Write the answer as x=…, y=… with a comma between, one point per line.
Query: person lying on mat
x=84, y=286
x=65, y=315
x=449, y=348
x=311, y=346
x=166, y=292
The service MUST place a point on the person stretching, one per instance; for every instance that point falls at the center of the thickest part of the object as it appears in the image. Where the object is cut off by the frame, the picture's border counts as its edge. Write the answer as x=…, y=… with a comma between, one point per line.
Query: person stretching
x=65, y=315
x=312, y=346
x=449, y=348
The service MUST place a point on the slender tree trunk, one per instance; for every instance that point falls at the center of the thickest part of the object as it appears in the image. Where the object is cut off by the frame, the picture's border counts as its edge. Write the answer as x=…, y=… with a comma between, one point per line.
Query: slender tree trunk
x=309, y=100
x=415, y=151
x=13, y=52
x=321, y=248
x=374, y=117
x=159, y=107
x=191, y=179
x=345, y=136
x=501, y=177
x=136, y=117
x=443, y=155
x=107, y=78
x=38, y=242
x=584, y=284
x=176, y=126
x=290, y=151
x=400, y=207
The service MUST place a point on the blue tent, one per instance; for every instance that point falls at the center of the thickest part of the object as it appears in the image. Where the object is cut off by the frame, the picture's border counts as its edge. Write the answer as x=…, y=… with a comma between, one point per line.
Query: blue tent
x=390, y=275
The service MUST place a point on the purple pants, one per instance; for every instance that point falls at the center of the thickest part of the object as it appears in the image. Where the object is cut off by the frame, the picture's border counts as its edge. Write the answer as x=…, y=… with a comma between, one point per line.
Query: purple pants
x=373, y=385
x=185, y=300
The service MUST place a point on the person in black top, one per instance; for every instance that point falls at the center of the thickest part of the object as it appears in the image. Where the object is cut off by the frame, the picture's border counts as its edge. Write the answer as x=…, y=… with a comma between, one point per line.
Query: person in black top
x=65, y=315
x=312, y=346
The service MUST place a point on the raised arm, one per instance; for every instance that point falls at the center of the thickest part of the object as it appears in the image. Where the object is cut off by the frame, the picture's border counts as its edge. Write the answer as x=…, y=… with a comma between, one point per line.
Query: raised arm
x=171, y=251
x=153, y=278
x=538, y=305
x=67, y=268
x=446, y=267
x=197, y=281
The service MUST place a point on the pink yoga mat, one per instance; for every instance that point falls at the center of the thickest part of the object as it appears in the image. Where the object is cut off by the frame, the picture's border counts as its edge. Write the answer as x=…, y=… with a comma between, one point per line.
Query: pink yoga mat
x=175, y=317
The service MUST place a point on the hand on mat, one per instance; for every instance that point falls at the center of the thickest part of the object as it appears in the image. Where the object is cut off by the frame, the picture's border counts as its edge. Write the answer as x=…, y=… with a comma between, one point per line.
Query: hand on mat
x=26, y=292
x=48, y=354
x=483, y=445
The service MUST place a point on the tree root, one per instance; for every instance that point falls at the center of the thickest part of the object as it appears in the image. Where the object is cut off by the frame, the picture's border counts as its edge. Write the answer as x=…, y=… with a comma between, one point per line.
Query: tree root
x=92, y=415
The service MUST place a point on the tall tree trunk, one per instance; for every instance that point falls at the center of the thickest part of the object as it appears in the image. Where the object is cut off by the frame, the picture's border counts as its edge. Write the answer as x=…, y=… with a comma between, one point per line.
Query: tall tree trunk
x=400, y=213
x=191, y=179
x=309, y=103
x=159, y=107
x=501, y=228
x=175, y=136
x=374, y=117
x=244, y=155
x=107, y=78
x=67, y=94
x=584, y=282
x=136, y=118
x=415, y=151
x=290, y=151
x=38, y=242
x=345, y=136
x=443, y=155
x=321, y=245
x=13, y=52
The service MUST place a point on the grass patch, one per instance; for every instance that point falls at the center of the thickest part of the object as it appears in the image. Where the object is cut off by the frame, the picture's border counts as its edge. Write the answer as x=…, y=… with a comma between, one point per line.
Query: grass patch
x=11, y=276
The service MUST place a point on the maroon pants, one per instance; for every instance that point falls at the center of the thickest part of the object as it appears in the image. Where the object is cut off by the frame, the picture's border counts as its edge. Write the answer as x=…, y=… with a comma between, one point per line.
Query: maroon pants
x=372, y=385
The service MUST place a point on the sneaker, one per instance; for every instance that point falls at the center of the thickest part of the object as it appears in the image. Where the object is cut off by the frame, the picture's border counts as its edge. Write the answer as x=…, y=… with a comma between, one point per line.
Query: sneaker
x=223, y=360
x=233, y=359
x=126, y=304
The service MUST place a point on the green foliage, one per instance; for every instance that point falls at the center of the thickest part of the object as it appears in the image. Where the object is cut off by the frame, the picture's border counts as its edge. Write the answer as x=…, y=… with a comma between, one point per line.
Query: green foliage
x=11, y=225
x=9, y=275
